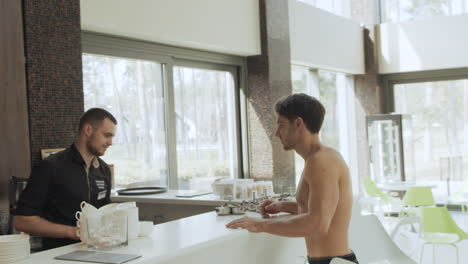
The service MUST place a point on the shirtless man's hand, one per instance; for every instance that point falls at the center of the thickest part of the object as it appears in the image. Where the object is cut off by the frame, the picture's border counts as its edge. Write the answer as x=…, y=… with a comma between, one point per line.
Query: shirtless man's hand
x=269, y=207
x=249, y=223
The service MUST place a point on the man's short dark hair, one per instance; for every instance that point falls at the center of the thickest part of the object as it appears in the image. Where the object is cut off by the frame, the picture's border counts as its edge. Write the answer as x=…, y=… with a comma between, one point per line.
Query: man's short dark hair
x=94, y=117
x=304, y=106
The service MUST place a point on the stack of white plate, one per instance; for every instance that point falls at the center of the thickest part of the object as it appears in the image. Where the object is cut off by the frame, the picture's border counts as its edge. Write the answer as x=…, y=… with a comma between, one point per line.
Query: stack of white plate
x=14, y=249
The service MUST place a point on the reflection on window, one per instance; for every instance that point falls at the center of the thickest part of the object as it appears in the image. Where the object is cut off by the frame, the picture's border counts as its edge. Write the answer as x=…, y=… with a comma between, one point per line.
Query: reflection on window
x=132, y=91
x=439, y=113
x=406, y=10
x=337, y=7
x=333, y=90
x=205, y=124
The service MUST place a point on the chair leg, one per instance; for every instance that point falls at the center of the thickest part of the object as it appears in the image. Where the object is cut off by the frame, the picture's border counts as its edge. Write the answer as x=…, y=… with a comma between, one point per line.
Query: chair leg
x=456, y=252
x=433, y=253
x=422, y=253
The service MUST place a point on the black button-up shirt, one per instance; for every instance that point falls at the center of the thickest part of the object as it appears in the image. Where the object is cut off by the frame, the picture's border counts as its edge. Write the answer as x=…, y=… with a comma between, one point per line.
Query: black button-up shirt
x=59, y=184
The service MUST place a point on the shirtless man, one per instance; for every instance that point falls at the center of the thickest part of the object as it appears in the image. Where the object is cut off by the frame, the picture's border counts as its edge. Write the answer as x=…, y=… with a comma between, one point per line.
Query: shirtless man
x=324, y=197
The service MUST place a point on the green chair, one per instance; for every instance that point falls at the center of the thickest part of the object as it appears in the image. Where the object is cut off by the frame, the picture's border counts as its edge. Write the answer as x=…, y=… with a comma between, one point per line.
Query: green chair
x=417, y=196
x=374, y=191
x=438, y=227
x=387, y=204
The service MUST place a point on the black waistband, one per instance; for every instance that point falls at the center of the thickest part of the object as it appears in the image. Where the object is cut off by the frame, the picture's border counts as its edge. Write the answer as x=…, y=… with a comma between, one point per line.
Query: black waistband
x=326, y=260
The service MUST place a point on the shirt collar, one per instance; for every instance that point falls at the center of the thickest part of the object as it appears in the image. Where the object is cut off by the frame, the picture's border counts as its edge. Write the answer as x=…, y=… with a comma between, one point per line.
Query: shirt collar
x=76, y=156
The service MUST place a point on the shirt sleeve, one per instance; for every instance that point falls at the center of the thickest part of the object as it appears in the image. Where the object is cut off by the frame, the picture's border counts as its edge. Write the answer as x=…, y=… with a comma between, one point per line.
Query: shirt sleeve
x=33, y=199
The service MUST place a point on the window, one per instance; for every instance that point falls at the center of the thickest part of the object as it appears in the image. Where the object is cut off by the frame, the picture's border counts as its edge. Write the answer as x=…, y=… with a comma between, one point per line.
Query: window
x=337, y=7
x=132, y=90
x=336, y=92
x=439, y=111
x=177, y=111
x=406, y=10
x=206, y=126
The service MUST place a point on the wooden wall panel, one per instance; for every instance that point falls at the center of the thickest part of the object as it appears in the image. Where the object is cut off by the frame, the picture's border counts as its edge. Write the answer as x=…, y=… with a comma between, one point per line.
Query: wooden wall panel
x=14, y=131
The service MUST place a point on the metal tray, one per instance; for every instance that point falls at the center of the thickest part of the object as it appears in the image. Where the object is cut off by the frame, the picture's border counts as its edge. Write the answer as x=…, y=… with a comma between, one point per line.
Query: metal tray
x=141, y=190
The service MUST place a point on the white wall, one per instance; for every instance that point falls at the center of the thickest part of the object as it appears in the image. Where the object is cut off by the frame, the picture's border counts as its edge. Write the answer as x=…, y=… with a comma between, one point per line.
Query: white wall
x=224, y=26
x=436, y=43
x=322, y=40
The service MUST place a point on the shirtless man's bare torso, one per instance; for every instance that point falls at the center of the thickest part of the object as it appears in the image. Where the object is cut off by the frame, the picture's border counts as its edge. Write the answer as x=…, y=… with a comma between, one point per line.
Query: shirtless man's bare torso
x=322, y=210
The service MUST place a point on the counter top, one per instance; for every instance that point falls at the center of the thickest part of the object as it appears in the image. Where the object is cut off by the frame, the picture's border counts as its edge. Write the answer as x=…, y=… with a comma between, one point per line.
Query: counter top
x=169, y=197
x=165, y=241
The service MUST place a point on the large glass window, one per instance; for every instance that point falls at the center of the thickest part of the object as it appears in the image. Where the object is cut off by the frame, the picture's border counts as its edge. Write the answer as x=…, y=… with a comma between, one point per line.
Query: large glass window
x=406, y=10
x=177, y=118
x=336, y=92
x=132, y=90
x=439, y=113
x=206, y=126
x=337, y=7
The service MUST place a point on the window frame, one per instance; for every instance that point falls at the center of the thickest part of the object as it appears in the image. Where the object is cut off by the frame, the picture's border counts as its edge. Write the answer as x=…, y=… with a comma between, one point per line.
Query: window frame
x=390, y=80
x=168, y=57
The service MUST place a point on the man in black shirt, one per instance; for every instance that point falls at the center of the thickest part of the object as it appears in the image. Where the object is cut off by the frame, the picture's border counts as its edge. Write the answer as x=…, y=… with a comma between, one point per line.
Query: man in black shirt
x=60, y=183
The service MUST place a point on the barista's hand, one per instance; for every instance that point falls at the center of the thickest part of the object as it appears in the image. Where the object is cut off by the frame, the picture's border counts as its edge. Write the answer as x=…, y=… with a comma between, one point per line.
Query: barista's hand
x=71, y=232
x=251, y=224
x=269, y=207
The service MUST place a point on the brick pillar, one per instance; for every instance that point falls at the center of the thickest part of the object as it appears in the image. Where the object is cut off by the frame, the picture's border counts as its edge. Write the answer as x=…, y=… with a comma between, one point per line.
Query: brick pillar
x=52, y=34
x=368, y=86
x=269, y=78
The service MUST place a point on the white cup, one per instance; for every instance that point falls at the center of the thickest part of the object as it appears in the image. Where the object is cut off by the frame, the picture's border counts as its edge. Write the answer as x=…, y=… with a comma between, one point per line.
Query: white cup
x=84, y=214
x=78, y=215
x=88, y=210
x=82, y=233
x=108, y=208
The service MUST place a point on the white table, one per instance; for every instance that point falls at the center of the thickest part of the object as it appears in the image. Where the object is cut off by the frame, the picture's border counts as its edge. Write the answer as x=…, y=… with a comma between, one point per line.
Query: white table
x=399, y=188
x=403, y=186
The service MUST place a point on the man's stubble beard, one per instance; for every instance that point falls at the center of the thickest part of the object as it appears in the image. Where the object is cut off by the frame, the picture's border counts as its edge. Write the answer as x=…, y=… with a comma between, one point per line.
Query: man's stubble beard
x=91, y=149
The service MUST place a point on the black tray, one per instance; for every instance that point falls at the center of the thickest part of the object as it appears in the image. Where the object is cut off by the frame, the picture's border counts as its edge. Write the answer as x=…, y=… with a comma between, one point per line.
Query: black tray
x=141, y=190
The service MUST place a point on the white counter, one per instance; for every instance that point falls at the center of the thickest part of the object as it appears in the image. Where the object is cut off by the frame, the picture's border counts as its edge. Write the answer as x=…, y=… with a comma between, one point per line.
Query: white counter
x=204, y=239
x=197, y=239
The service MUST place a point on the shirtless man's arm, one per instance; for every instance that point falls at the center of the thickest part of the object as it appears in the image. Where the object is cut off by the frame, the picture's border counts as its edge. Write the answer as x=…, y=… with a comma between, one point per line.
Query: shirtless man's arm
x=270, y=207
x=322, y=193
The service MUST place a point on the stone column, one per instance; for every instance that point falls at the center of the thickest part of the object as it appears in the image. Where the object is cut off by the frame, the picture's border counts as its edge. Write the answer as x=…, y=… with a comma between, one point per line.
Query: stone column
x=368, y=86
x=269, y=78
x=52, y=34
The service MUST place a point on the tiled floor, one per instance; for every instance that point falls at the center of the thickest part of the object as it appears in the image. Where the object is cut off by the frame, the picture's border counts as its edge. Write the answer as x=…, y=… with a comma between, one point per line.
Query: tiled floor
x=409, y=242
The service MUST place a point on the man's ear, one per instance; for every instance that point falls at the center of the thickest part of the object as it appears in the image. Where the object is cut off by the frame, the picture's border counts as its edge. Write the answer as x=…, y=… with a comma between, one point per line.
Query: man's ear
x=88, y=129
x=299, y=122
